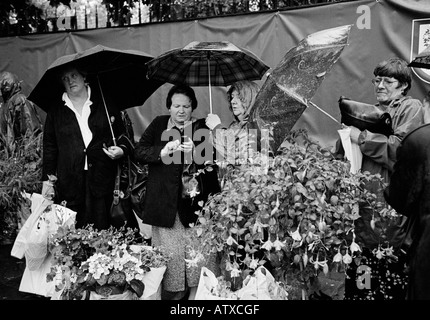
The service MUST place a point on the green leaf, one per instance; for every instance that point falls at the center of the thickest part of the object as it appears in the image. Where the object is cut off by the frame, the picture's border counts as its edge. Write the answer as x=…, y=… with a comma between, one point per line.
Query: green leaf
x=137, y=286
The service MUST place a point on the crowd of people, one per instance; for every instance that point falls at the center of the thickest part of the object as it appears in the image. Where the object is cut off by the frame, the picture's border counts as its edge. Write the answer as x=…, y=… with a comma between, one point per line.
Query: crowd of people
x=82, y=147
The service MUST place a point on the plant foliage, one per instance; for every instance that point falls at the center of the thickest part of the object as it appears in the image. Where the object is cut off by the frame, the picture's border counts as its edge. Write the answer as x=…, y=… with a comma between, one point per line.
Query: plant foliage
x=294, y=212
x=20, y=171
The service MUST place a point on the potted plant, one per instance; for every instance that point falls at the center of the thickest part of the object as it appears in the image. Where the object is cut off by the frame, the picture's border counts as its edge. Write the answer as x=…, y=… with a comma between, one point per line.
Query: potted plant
x=293, y=213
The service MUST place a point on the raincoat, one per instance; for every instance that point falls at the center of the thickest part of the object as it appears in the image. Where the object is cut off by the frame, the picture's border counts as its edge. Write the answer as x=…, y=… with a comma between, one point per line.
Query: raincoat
x=379, y=156
x=17, y=114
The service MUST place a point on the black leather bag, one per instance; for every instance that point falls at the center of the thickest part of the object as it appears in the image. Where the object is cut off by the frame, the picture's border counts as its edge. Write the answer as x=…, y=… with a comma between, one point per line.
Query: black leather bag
x=121, y=212
x=138, y=176
x=365, y=116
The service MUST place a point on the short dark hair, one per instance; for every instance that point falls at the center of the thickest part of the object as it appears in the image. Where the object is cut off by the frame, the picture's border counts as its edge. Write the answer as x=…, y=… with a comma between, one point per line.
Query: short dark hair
x=68, y=67
x=182, y=89
x=396, y=68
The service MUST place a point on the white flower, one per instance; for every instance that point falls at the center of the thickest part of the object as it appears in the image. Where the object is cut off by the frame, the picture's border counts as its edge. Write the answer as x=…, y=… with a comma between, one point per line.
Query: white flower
x=235, y=272
x=347, y=259
x=379, y=253
x=337, y=257
x=296, y=235
x=322, y=225
x=278, y=244
x=258, y=226
x=193, y=192
x=354, y=247
x=267, y=245
x=253, y=264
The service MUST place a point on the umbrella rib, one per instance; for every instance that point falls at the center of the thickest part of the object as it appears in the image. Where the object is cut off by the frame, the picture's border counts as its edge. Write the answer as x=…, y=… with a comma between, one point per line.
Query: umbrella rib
x=304, y=101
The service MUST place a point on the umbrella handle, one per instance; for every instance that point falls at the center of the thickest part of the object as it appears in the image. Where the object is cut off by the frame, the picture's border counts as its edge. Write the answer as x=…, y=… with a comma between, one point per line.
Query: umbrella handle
x=210, y=91
x=107, y=112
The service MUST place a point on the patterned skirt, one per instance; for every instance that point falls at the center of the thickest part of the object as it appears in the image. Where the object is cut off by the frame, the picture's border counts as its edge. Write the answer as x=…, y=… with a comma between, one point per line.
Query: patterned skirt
x=176, y=242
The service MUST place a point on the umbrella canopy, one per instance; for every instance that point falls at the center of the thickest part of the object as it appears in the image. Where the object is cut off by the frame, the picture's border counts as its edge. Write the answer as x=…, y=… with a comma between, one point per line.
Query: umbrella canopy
x=119, y=73
x=422, y=60
x=207, y=64
x=288, y=89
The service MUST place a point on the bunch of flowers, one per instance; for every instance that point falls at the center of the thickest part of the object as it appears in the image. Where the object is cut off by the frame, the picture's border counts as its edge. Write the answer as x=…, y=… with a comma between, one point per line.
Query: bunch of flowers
x=107, y=262
x=294, y=213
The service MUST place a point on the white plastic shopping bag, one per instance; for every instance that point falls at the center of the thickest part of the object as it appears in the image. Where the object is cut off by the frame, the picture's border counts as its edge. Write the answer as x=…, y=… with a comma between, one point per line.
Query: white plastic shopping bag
x=352, y=150
x=262, y=286
x=34, y=279
x=208, y=289
x=38, y=205
x=152, y=281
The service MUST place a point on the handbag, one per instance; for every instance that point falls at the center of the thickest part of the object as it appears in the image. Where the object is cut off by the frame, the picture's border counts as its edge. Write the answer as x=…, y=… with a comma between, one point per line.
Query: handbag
x=138, y=176
x=365, y=116
x=121, y=211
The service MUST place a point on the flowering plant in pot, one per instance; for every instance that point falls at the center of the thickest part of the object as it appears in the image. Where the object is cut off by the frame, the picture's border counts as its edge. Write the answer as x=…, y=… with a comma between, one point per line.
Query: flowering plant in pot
x=94, y=264
x=293, y=213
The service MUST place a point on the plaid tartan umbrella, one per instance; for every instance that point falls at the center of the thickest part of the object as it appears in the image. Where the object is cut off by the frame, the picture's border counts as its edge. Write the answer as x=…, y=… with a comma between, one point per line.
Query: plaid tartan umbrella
x=422, y=60
x=206, y=64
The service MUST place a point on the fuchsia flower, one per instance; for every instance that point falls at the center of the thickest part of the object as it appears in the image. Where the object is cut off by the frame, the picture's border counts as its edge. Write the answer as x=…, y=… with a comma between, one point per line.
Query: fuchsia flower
x=267, y=245
x=338, y=257
x=347, y=259
x=278, y=244
x=296, y=235
x=379, y=253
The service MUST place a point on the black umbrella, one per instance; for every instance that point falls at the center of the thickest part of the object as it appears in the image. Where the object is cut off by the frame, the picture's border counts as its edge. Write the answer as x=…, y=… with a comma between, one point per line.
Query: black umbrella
x=120, y=73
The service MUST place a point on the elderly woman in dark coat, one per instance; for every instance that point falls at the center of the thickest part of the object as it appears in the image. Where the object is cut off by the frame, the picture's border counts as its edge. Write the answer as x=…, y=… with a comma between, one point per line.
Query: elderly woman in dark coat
x=78, y=149
x=167, y=145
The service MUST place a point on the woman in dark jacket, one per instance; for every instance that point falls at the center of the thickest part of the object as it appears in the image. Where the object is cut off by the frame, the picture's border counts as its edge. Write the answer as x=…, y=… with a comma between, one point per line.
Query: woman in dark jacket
x=170, y=145
x=78, y=149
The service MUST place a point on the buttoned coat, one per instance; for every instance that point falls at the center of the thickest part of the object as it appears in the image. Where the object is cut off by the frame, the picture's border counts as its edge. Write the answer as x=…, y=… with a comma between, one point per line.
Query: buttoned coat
x=64, y=150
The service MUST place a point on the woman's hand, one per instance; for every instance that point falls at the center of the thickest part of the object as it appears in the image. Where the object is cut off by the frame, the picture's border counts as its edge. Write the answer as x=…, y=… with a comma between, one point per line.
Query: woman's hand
x=212, y=120
x=355, y=133
x=169, y=148
x=113, y=152
x=186, y=146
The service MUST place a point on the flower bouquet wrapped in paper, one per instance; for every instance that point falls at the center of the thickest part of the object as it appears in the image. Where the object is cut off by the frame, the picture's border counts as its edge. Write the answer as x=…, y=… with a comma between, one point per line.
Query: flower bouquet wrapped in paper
x=106, y=264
